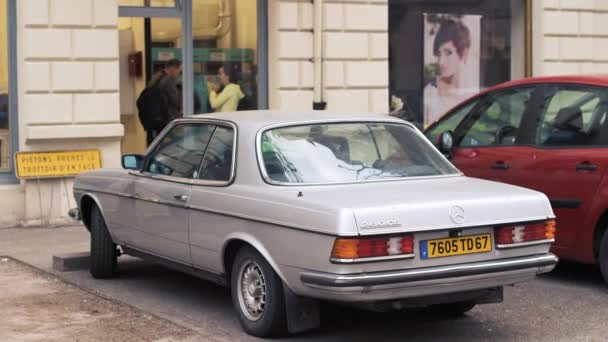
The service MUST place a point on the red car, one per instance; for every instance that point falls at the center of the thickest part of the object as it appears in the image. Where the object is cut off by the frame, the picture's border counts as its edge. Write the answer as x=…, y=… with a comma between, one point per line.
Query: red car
x=549, y=134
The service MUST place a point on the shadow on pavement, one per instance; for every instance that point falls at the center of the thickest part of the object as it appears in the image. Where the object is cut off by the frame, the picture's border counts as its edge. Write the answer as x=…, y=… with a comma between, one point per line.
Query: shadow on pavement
x=212, y=303
x=573, y=273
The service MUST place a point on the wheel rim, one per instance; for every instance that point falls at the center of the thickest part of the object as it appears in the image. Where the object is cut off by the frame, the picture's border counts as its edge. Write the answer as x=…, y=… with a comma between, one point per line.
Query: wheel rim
x=252, y=290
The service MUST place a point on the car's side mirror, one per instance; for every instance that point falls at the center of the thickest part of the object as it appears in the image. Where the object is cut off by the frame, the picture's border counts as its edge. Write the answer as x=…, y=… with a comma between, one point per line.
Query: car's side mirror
x=132, y=161
x=445, y=142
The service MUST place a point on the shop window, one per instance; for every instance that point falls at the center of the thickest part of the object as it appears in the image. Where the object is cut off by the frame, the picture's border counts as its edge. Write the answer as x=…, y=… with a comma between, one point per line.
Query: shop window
x=5, y=124
x=225, y=40
x=229, y=45
x=441, y=52
x=224, y=36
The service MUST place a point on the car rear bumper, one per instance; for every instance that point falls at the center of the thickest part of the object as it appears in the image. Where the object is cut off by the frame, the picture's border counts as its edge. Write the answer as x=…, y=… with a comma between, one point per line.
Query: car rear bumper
x=425, y=281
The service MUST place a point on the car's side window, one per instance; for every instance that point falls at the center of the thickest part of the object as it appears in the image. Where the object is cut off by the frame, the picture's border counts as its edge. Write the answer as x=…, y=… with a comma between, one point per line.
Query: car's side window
x=573, y=116
x=180, y=152
x=217, y=162
x=497, y=122
x=450, y=122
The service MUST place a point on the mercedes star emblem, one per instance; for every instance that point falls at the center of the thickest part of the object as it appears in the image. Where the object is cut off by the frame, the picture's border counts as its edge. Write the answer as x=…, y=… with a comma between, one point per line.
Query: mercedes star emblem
x=457, y=214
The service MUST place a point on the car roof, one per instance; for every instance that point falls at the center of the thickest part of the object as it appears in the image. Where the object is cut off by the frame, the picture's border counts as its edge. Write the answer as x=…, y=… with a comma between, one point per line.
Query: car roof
x=596, y=80
x=257, y=119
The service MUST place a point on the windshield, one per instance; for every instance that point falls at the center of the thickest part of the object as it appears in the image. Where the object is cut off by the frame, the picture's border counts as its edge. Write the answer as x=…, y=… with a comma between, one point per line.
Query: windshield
x=349, y=152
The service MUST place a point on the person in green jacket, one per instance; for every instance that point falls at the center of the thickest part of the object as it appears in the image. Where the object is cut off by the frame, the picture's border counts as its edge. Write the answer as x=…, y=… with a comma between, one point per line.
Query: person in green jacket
x=226, y=100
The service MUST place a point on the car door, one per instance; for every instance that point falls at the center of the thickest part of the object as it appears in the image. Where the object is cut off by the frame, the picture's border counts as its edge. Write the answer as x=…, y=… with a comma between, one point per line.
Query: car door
x=572, y=156
x=488, y=140
x=211, y=198
x=163, y=190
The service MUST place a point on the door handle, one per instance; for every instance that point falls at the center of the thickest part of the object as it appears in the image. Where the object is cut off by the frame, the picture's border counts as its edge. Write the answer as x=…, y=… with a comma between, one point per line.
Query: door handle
x=587, y=166
x=182, y=198
x=500, y=165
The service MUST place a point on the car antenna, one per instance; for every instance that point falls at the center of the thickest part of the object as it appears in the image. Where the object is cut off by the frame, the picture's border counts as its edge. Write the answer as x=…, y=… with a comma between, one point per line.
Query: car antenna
x=300, y=194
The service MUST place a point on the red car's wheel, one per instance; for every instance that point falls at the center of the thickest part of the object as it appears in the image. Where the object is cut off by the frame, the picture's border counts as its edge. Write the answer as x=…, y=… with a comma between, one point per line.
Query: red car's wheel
x=603, y=256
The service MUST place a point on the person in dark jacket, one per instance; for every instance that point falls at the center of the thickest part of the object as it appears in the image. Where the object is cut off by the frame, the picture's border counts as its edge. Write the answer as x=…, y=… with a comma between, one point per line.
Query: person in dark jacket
x=170, y=99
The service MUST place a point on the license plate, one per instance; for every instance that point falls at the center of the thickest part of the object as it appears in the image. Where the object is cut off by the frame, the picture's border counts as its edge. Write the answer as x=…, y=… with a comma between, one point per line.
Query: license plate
x=455, y=246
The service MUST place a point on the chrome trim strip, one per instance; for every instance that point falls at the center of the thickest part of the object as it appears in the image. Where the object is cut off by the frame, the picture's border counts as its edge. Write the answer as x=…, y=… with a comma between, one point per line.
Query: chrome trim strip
x=362, y=260
x=257, y=219
x=219, y=212
x=155, y=176
x=176, y=265
x=119, y=194
x=336, y=281
x=267, y=179
x=135, y=197
x=525, y=244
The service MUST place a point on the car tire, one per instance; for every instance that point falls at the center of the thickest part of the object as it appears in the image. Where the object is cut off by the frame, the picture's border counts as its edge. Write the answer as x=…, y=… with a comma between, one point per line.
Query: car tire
x=103, y=249
x=257, y=295
x=453, y=309
x=603, y=256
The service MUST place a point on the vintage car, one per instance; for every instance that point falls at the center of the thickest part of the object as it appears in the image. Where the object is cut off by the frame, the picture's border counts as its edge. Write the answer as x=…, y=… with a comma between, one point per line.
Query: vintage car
x=290, y=208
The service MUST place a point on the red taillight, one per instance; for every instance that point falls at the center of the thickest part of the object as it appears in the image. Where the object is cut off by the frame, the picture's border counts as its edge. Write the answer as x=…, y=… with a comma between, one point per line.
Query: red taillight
x=361, y=248
x=368, y=248
x=525, y=233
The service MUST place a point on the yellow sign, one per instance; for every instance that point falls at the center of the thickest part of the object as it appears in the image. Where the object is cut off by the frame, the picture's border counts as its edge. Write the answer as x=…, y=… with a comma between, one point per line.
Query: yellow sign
x=56, y=164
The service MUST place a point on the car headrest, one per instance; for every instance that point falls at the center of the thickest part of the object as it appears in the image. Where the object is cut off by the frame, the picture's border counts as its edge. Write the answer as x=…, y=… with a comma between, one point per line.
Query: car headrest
x=599, y=113
x=568, y=118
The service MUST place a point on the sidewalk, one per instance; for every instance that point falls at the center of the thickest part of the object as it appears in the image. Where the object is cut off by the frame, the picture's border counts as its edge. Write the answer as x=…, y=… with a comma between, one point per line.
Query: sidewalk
x=42, y=308
x=36, y=246
x=187, y=301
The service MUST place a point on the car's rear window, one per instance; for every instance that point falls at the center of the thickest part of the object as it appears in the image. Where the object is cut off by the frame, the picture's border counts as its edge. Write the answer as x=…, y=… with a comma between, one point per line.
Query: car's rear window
x=348, y=152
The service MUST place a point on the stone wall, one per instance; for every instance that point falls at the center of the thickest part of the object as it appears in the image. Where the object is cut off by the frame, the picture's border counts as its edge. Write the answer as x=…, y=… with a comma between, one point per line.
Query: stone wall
x=68, y=91
x=355, y=54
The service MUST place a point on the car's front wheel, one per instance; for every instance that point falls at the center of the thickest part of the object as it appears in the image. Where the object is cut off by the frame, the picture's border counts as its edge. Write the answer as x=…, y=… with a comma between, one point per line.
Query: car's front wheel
x=603, y=256
x=103, y=249
x=257, y=294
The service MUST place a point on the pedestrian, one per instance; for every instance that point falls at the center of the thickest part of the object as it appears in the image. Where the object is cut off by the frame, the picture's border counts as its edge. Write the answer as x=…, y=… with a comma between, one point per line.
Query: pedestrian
x=226, y=100
x=161, y=101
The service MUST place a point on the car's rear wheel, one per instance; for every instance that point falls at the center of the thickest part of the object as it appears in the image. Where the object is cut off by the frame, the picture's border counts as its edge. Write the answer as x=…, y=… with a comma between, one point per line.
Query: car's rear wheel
x=257, y=294
x=603, y=256
x=103, y=249
x=453, y=309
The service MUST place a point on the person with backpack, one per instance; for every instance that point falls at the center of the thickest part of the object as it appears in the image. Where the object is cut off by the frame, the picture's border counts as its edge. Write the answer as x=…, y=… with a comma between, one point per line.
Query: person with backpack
x=161, y=101
x=226, y=100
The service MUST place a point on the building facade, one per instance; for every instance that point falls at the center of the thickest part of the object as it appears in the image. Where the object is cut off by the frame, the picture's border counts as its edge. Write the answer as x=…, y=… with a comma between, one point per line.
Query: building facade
x=71, y=70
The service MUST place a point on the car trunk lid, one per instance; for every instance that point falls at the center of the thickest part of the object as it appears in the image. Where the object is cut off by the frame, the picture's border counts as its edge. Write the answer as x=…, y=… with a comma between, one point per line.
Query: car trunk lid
x=416, y=205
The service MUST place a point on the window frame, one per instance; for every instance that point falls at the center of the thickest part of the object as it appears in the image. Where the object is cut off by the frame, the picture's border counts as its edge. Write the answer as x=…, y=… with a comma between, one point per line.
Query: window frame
x=8, y=176
x=540, y=116
x=232, y=162
x=193, y=181
x=269, y=181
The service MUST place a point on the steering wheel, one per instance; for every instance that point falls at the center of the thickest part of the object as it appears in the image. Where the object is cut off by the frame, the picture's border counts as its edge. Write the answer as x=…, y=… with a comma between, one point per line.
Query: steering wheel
x=504, y=132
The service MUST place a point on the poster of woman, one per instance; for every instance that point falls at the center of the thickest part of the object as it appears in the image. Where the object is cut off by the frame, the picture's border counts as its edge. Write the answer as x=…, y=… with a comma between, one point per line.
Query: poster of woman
x=451, y=61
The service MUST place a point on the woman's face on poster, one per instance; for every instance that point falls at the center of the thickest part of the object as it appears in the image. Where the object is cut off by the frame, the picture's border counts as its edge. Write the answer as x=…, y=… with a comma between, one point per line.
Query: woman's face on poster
x=449, y=60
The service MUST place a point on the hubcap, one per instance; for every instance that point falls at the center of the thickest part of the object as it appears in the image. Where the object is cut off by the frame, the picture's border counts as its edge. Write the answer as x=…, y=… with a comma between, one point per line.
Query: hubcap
x=251, y=290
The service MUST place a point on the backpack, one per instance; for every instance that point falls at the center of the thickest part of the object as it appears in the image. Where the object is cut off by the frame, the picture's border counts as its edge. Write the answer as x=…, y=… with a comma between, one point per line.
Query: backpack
x=152, y=108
